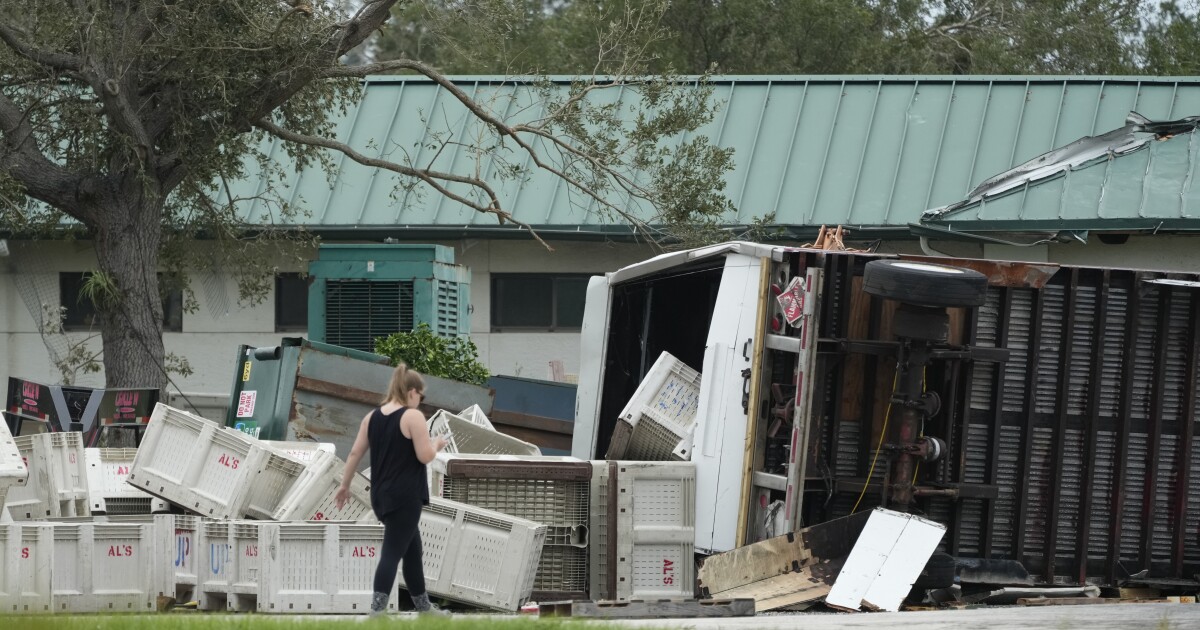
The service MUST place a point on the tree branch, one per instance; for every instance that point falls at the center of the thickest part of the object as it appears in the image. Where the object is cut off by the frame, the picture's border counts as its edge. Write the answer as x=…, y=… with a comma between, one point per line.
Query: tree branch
x=513, y=132
x=24, y=160
x=433, y=178
x=369, y=17
x=58, y=61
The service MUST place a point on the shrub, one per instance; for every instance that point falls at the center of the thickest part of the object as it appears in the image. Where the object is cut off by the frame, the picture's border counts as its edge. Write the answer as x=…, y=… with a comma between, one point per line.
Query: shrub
x=455, y=358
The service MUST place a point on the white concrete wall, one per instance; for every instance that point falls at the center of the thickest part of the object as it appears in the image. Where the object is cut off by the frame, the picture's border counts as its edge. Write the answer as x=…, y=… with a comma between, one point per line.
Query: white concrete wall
x=212, y=334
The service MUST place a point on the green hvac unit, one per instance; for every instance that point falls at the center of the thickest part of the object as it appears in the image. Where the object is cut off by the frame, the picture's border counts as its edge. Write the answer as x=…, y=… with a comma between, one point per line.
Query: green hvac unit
x=361, y=292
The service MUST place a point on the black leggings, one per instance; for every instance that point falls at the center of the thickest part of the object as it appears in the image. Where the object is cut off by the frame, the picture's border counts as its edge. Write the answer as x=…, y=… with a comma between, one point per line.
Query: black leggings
x=401, y=541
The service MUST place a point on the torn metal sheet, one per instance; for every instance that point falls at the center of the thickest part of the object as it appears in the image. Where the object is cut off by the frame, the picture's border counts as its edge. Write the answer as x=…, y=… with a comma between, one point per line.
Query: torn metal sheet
x=1137, y=133
x=1010, y=595
x=886, y=560
x=786, y=570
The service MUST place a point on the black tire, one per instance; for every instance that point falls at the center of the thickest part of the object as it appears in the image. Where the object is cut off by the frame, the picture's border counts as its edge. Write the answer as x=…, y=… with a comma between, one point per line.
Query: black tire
x=925, y=284
x=938, y=572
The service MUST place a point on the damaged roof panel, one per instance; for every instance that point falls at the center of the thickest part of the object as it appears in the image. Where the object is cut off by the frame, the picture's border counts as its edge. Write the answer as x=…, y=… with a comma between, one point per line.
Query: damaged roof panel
x=869, y=151
x=1138, y=177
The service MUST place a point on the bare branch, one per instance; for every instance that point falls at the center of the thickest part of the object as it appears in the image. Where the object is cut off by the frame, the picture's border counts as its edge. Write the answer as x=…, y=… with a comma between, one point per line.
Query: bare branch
x=514, y=132
x=430, y=177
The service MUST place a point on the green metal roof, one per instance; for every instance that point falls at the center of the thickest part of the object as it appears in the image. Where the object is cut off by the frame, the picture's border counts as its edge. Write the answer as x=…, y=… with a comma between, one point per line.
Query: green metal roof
x=1137, y=177
x=872, y=152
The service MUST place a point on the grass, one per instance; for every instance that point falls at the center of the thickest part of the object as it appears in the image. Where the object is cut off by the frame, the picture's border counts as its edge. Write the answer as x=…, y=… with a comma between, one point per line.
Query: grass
x=176, y=621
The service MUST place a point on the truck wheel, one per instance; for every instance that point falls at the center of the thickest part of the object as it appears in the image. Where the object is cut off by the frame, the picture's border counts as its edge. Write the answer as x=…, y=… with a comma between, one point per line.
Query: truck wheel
x=925, y=284
x=938, y=572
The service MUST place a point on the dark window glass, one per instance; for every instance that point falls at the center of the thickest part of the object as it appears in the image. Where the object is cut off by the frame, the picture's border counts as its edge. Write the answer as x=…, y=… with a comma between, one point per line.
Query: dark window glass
x=569, y=294
x=291, y=302
x=538, y=301
x=81, y=312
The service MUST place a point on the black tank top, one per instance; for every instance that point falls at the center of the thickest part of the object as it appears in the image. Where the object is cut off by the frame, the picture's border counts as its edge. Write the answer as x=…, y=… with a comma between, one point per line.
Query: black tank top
x=397, y=477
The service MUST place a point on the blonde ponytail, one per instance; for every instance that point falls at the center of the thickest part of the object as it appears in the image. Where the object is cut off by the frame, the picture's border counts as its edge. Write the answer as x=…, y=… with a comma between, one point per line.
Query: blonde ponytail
x=403, y=380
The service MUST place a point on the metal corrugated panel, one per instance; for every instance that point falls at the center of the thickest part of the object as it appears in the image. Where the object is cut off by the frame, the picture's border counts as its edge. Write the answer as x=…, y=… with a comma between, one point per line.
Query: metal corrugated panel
x=858, y=151
x=1086, y=432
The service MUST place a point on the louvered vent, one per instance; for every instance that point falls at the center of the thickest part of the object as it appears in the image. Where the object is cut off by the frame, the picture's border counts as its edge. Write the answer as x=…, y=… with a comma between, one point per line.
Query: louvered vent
x=447, y=309
x=358, y=311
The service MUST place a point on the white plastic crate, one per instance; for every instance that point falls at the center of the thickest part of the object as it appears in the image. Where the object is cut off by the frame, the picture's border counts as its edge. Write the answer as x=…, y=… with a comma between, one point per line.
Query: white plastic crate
x=26, y=561
x=600, y=522
x=13, y=471
x=312, y=497
x=228, y=566
x=214, y=563
x=198, y=464
x=303, y=451
x=177, y=548
x=108, y=493
x=474, y=414
x=245, y=561
x=643, y=531
x=319, y=568
x=103, y=567
x=553, y=491
x=464, y=436
x=478, y=556
x=57, y=477
x=661, y=412
x=277, y=475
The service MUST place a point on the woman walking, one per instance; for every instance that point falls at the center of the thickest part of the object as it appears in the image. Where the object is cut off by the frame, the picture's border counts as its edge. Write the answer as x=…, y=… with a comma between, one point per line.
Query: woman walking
x=398, y=438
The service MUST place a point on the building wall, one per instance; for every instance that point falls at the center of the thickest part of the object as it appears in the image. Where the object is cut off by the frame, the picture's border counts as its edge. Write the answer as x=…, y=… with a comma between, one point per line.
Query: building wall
x=29, y=278
x=211, y=334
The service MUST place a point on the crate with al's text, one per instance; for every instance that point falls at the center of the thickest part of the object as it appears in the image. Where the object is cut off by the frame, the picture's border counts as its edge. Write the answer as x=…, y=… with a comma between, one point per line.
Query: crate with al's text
x=57, y=483
x=82, y=567
x=211, y=470
x=643, y=529
x=318, y=567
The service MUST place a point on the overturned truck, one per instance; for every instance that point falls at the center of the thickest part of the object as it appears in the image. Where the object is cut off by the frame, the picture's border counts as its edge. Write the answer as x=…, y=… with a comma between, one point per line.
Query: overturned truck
x=1043, y=413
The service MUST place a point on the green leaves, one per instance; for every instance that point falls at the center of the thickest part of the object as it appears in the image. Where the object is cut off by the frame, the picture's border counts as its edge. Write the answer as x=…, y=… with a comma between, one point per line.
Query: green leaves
x=455, y=358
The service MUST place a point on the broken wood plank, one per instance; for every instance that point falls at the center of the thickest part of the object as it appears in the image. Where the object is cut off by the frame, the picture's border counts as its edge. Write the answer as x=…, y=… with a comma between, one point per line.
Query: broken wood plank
x=1084, y=601
x=642, y=609
x=786, y=570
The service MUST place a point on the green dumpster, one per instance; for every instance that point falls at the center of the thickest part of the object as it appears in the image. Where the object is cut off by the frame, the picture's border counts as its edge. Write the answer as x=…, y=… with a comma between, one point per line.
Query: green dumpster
x=311, y=391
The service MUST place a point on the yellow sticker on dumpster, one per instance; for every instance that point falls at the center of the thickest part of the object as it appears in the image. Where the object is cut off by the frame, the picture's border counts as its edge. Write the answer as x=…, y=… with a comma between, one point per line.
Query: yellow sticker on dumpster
x=246, y=372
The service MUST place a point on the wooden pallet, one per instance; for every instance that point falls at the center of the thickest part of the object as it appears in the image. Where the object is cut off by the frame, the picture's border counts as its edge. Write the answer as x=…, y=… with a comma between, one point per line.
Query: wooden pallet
x=1085, y=601
x=657, y=609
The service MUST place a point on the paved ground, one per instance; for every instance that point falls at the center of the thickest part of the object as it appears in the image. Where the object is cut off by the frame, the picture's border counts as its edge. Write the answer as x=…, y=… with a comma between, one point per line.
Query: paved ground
x=1093, y=617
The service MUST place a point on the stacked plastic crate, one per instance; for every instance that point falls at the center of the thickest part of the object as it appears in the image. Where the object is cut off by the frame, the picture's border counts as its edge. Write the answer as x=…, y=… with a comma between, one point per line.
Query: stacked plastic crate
x=211, y=470
x=553, y=491
x=13, y=471
x=475, y=434
x=293, y=559
x=643, y=529
x=57, y=482
x=108, y=493
x=658, y=421
x=290, y=561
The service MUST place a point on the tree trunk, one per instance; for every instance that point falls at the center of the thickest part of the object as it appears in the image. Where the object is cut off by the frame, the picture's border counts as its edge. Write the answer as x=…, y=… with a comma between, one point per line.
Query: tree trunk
x=131, y=325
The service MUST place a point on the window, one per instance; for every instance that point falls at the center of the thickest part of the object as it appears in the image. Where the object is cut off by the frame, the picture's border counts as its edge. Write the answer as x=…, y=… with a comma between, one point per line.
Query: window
x=535, y=301
x=291, y=302
x=81, y=313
